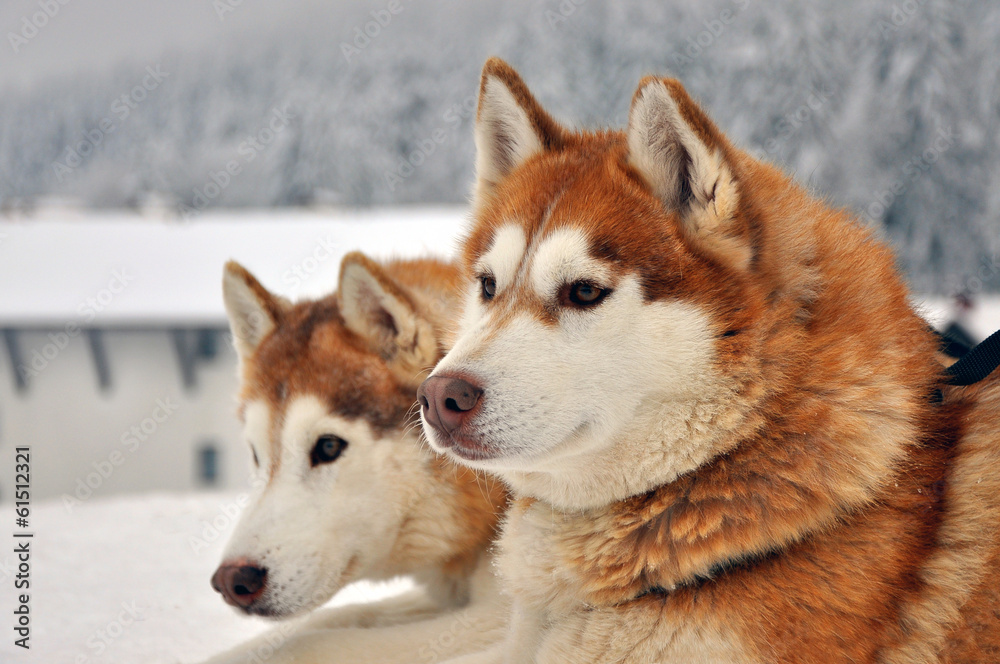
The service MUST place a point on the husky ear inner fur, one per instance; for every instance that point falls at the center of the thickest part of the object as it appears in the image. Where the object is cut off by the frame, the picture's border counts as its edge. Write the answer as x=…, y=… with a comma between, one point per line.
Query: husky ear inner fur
x=252, y=310
x=379, y=311
x=680, y=154
x=511, y=126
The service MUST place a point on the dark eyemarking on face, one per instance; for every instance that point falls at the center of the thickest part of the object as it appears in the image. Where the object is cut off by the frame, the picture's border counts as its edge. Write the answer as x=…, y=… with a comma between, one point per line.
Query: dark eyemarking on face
x=256, y=460
x=327, y=449
x=488, y=285
x=582, y=294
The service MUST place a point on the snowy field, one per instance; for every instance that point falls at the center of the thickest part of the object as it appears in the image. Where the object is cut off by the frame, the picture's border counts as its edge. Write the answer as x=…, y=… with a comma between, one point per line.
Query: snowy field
x=126, y=581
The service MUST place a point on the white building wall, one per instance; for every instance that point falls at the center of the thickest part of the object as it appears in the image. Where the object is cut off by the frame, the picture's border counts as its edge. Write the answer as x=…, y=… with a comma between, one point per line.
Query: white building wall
x=54, y=263
x=82, y=438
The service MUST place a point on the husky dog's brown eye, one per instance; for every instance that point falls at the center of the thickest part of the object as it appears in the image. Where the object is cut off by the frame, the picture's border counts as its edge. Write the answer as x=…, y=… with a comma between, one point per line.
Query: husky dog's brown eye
x=327, y=449
x=585, y=294
x=489, y=285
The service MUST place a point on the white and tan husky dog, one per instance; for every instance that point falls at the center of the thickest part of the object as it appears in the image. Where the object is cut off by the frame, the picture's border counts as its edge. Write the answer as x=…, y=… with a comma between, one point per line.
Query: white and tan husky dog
x=345, y=489
x=727, y=432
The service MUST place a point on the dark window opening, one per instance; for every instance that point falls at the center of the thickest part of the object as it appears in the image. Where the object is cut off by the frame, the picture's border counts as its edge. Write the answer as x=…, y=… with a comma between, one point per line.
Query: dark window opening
x=99, y=352
x=16, y=357
x=193, y=347
x=208, y=344
x=186, y=358
x=207, y=460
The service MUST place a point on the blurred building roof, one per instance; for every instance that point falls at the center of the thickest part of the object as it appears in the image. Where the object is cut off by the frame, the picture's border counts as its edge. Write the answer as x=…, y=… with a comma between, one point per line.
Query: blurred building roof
x=63, y=266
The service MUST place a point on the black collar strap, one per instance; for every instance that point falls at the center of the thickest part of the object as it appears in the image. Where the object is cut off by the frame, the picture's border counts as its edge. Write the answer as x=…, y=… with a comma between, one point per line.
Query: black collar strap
x=977, y=364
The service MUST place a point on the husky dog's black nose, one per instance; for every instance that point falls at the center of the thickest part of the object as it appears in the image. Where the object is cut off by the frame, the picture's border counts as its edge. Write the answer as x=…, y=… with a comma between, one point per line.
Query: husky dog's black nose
x=239, y=584
x=447, y=402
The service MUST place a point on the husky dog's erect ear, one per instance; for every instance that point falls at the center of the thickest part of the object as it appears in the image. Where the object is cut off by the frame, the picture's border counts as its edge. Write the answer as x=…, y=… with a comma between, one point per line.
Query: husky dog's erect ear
x=510, y=126
x=681, y=155
x=378, y=310
x=253, y=311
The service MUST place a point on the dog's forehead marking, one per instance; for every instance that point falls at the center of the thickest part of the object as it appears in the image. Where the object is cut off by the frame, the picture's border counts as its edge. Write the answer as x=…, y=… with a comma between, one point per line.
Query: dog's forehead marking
x=301, y=415
x=509, y=246
x=563, y=256
x=257, y=425
x=307, y=417
x=505, y=254
x=278, y=435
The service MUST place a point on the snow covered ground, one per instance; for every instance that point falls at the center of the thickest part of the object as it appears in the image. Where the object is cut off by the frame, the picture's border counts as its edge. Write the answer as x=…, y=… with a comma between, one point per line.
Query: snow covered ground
x=126, y=581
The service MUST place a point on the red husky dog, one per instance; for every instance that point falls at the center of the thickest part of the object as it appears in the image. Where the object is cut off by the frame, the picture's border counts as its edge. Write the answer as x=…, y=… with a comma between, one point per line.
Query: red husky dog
x=345, y=489
x=715, y=405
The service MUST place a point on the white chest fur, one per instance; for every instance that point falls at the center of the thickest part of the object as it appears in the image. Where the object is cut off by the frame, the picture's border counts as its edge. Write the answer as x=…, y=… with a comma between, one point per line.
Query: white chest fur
x=552, y=623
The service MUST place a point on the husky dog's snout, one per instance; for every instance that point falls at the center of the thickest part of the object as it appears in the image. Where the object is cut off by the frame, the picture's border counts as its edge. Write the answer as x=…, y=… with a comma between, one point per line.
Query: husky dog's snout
x=448, y=402
x=240, y=585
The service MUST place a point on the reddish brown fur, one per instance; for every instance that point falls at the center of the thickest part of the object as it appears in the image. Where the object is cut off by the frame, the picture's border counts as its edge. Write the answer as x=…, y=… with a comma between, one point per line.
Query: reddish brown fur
x=482, y=500
x=813, y=534
x=976, y=637
x=310, y=351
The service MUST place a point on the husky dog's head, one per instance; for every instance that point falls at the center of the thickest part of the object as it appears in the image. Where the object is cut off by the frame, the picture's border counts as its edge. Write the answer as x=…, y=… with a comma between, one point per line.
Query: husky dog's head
x=607, y=298
x=344, y=489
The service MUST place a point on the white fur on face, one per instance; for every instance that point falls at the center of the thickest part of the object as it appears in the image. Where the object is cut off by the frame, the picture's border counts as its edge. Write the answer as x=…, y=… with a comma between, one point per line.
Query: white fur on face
x=257, y=432
x=561, y=401
x=502, y=261
x=316, y=528
x=564, y=258
x=504, y=256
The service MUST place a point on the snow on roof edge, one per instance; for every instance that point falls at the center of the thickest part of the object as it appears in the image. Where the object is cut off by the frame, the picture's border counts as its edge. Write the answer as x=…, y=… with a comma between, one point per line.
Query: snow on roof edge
x=121, y=269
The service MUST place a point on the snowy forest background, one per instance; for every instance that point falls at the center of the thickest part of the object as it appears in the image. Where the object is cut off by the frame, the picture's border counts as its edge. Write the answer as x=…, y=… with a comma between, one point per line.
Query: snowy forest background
x=890, y=107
